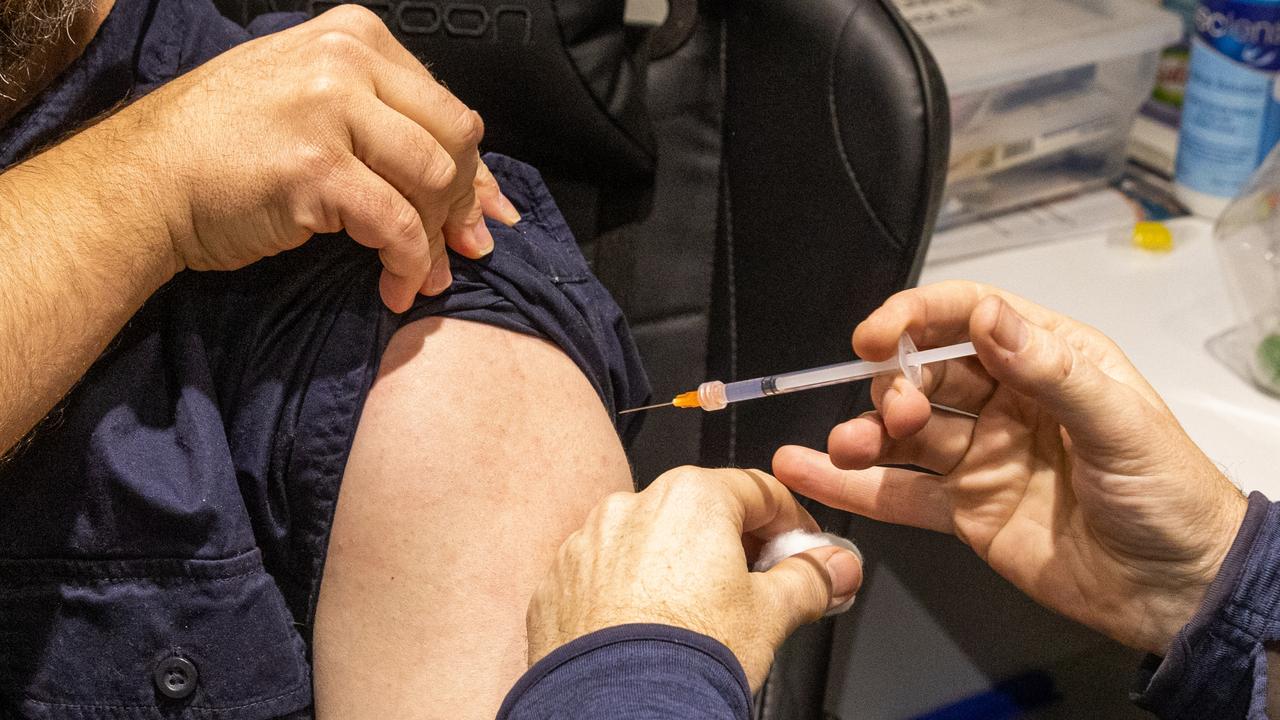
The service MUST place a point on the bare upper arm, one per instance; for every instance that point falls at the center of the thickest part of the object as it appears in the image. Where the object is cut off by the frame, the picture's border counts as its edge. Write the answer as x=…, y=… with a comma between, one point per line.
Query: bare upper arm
x=479, y=450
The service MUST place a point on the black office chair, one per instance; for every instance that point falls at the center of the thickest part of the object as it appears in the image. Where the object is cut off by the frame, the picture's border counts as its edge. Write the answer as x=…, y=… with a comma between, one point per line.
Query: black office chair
x=750, y=180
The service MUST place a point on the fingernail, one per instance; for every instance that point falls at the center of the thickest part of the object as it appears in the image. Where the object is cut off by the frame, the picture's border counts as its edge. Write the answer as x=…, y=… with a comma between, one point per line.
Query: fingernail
x=483, y=238
x=441, y=277
x=508, y=214
x=845, y=573
x=1010, y=331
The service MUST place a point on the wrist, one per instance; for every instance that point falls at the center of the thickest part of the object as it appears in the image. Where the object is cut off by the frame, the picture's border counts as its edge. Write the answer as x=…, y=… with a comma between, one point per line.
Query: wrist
x=154, y=189
x=1201, y=585
x=129, y=198
x=1208, y=669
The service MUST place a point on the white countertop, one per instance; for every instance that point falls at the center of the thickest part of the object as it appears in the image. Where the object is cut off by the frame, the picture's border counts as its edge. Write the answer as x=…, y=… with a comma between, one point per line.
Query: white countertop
x=1161, y=309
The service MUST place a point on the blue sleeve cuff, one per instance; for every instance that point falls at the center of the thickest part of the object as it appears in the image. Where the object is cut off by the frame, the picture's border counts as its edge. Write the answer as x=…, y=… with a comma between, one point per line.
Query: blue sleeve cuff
x=1216, y=666
x=633, y=671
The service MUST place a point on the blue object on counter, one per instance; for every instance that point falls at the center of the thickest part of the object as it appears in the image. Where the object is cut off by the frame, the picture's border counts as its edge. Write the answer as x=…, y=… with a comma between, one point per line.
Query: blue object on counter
x=1007, y=700
x=1231, y=116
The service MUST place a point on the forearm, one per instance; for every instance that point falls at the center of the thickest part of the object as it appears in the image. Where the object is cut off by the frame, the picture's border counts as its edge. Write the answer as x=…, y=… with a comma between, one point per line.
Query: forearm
x=83, y=244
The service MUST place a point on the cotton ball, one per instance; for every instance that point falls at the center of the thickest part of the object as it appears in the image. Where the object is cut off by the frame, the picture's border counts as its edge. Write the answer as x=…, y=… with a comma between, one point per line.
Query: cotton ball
x=795, y=542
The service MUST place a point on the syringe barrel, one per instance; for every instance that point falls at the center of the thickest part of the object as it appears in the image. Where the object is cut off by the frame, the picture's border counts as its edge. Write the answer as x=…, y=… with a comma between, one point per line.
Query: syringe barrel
x=829, y=375
x=715, y=396
x=746, y=390
x=907, y=362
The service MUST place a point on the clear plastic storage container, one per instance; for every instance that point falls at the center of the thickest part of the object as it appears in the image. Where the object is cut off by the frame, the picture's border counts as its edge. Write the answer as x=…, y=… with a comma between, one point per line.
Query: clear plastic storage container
x=1247, y=238
x=1043, y=92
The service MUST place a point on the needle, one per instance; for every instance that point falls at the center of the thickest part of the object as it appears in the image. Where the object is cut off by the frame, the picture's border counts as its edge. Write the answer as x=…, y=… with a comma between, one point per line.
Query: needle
x=643, y=409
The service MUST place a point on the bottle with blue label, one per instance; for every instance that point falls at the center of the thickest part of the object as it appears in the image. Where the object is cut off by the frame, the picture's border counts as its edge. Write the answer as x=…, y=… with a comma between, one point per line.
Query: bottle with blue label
x=1231, y=112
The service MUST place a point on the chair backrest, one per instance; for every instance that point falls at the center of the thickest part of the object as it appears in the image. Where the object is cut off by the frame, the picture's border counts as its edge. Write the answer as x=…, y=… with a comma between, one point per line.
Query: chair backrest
x=801, y=157
x=800, y=150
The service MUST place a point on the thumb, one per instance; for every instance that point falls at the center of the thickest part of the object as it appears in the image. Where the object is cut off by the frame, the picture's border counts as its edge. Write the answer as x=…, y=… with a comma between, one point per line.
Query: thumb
x=1094, y=408
x=811, y=584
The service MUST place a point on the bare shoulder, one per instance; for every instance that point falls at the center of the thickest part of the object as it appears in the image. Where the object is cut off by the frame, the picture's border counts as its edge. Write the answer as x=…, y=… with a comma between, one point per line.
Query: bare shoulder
x=479, y=450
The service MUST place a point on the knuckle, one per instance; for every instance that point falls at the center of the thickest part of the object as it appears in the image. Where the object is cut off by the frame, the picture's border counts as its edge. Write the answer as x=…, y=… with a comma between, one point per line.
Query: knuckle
x=341, y=43
x=616, y=504
x=568, y=557
x=468, y=128
x=318, y=162
x=438, y=173
x=471, y=213
x=817, y=591
x=1064, y=363
x=686, y=475
x=808, y=595
x=674, y=478
x=689, y=485
x=566, y=549
x=475, y=127
x=571, y=546
x=405, y=224
x=322, y=88
x=354, y=16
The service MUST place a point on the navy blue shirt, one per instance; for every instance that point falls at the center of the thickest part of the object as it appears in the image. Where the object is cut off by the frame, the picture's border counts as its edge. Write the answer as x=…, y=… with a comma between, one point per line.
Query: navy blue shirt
x=633, y=672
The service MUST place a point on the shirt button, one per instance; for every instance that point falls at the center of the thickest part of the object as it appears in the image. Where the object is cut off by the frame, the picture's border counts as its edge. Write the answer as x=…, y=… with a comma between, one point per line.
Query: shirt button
x=175, y=678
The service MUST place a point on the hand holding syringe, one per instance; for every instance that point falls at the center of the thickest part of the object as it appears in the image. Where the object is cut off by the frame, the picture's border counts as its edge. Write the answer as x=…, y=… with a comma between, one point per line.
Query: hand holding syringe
x=715, y=395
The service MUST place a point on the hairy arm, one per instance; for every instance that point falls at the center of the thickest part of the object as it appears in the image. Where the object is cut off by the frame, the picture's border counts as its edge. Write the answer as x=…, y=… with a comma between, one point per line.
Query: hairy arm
x=329, y=125
x=82, y=246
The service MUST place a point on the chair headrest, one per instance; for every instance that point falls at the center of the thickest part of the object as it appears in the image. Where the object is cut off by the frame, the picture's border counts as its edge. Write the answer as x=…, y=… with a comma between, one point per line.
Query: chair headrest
x=560, y=83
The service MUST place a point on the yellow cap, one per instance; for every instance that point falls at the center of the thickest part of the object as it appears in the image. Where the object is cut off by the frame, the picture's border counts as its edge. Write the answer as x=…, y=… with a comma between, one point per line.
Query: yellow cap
x=1152, y=237
x=687, y=401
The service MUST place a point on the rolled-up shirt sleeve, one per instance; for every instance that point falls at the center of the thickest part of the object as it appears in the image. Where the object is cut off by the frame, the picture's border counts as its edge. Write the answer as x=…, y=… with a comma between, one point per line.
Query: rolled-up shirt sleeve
x=1217, y=665
x=631, y=672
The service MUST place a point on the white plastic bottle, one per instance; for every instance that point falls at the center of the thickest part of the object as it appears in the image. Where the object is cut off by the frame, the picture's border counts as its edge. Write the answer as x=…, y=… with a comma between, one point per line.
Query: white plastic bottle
x=1231, y=114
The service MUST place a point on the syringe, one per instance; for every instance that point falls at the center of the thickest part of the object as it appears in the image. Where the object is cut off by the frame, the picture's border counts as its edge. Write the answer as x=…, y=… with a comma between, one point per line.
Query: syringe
x=715, y=395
